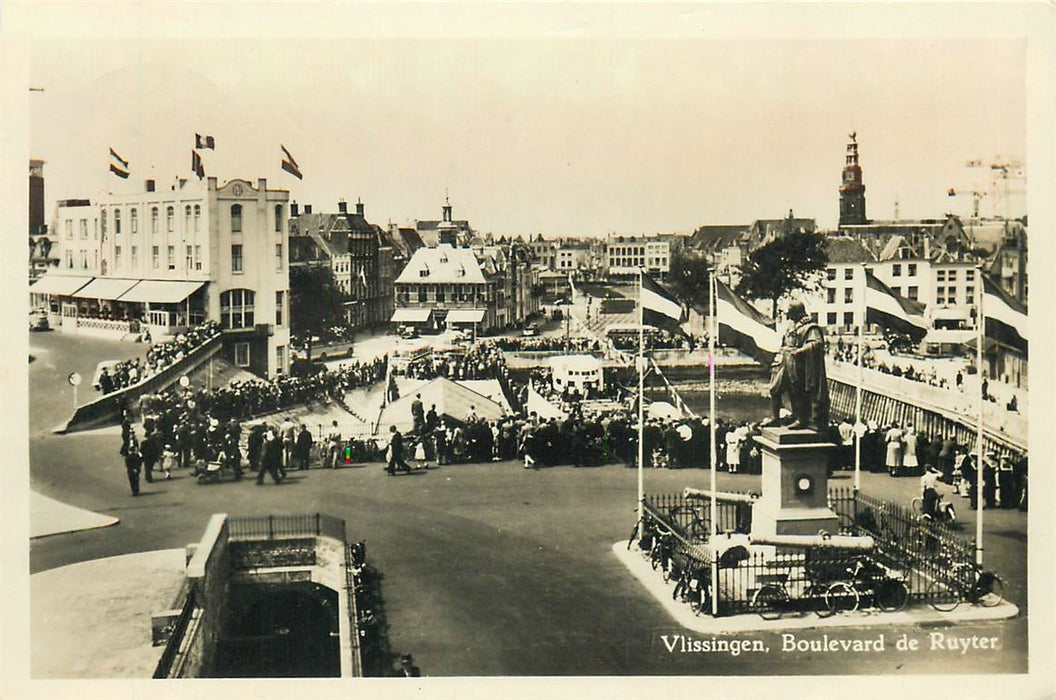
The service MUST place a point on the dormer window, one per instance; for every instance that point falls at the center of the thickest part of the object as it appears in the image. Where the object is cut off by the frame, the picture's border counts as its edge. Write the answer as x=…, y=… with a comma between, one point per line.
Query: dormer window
x=424, y=272
x=443, y=259
x=461, y=271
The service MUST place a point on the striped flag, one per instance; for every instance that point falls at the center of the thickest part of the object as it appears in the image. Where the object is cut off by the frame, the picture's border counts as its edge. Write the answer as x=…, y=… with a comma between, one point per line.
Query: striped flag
x=1006, y=318
x=196, y=165
x=204, y=142
x=289, y=164
x=742, y=326
x=660, y=308
x=890, y=310
x=118, y=165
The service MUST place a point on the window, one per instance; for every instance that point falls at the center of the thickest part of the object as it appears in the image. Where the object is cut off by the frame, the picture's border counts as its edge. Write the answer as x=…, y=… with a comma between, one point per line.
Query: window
x=969, y=294
x=831, y=292
x=236, y=218
x=441, y=295
x=969, y=275
x=133, y=218
x=69, y=258
x=69, y=228
x=830, y=318
x=848, y=295
x=134, y=256
x=940, y=276
x=154, y=257
x=940, y=295
x=170, y=219
x=830, y=273
x=280, y=358
x=153, y=219
x=102, y=218
x=197, y=216
x=187, y=218
x=84, y=228
x=848, y=318
x=83, y=254
x=911, y=270
x=236, y=258
x=424, y=272
x=197, y=257
x=188, y=260
x=278, y=256
x=896, y=270
x=172, y=257
x=117, y=256
x=278, y=308
x=421, y=292
x=951, y=276
x=242, y=354
x=848, y=273
x=117, y=221
x=278, y=218
x=912, y=293
x=236, y=308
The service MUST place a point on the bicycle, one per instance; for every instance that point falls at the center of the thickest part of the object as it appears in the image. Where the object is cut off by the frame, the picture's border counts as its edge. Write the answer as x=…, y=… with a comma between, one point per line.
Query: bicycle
x=697, y=528
x=692, y=587
x=661, y=554
x=966, y=581
x=868, y=581
x=644, y=530
x=945, y=512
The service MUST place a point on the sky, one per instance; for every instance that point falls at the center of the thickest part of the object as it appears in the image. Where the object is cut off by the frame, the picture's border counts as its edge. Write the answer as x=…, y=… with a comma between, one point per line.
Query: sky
x=560, y=136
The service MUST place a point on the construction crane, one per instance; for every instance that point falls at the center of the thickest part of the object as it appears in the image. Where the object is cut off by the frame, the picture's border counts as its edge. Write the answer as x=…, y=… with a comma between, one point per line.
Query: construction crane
x=1002, y=169
x=975, y=193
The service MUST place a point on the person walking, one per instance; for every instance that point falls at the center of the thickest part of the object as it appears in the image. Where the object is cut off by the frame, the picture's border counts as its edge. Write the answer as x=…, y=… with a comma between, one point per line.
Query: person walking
x=133, y=464
x=396, y=452
x=255, y=446
x=947, y=457
x=149, y=450
x=271, y=461
x=288, y=431
x=334, y=446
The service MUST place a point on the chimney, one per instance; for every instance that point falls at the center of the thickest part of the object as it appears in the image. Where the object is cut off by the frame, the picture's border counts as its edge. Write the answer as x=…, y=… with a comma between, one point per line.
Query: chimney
x=295, y=210
x=307, y=208
x=359, y=207
x=150, y=185
x=342, y=206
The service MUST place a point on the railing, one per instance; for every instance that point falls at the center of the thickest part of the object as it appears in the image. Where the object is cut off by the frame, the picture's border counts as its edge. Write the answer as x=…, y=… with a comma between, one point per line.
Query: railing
x=908, y=548
x=172, y=647
x=277, y=527
x=104, y=324
x=353, y=614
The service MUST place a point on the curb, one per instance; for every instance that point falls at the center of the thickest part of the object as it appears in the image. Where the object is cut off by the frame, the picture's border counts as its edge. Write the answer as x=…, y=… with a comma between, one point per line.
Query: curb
x=653, y=582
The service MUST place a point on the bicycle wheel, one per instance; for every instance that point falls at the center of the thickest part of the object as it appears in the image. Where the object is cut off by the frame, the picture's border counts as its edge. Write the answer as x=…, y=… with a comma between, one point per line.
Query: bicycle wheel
x=989, y=592
x=890, y=594
x=770, y=601
x=841, y=597
x=634, y=534
x=680, y=589
x=944, y=596
x=917, y=505
x=697, y=530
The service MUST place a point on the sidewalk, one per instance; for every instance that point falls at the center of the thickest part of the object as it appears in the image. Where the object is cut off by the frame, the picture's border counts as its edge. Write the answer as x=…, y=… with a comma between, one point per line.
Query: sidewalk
x=92, y=619
x=50, y=517
x=705, y=624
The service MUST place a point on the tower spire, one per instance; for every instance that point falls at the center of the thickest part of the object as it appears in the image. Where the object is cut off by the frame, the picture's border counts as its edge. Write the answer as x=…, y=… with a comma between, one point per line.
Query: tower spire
x=852, y=190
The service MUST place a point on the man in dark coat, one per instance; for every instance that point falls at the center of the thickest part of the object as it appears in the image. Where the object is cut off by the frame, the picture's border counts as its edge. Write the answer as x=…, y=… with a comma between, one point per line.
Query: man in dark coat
x=254, y=446
x=133, y=463
x=271, y=461
x=801, y=372
x=396, y=452
x=418, y=414
x=303, y=447
x=150, y=450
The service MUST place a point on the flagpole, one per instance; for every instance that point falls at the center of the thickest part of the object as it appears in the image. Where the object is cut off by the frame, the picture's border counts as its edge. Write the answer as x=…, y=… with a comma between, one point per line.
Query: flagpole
x=711, y=423
x=858, y=387
x=980, y=325
x=641, y=396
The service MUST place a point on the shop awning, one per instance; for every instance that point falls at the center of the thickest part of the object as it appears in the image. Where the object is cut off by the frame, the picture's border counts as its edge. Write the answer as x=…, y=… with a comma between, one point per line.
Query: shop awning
x=161, y=291
x=107, y=288
x=411, y=315
x=58, y=285
x=465, y=316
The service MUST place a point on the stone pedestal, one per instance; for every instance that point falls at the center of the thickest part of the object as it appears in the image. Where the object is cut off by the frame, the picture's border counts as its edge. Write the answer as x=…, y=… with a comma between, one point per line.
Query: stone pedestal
x=795, y=484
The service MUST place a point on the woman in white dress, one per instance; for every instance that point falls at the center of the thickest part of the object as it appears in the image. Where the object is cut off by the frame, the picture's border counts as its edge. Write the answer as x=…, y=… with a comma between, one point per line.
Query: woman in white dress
x=733, y=450
x=909, y=450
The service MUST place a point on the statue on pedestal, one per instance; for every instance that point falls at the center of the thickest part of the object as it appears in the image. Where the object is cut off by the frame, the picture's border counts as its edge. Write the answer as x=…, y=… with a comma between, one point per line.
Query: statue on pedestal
x=799, y=371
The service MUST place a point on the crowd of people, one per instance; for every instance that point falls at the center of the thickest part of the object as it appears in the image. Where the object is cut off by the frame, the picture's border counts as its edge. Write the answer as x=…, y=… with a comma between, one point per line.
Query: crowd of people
x=481, y=361
x=550, y=344
x=159, y=356
x=658, y=340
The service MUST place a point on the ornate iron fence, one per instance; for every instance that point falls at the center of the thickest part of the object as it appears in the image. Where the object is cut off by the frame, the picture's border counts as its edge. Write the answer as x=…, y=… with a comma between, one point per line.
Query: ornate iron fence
x=272, y=527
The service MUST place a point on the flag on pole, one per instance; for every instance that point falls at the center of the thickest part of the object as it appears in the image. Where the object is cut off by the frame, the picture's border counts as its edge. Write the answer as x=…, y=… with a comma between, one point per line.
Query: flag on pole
x=889, y=309
x=742, y=326
x=196, y=165
x=1005, y=318
x=204, y=142
x=289, y=164
x=118, y=165
x=660, y=308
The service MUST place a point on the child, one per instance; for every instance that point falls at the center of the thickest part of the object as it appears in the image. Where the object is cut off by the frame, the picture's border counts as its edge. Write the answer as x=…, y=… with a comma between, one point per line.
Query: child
x=419, y=455
x=168, y=461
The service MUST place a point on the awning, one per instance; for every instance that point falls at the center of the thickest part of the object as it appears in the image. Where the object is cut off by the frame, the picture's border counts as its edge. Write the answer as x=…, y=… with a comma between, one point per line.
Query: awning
x=411, y=315
x=161, y=291
x=58, y=285
x=108, y=288
x=465, y=316
x=949, y=314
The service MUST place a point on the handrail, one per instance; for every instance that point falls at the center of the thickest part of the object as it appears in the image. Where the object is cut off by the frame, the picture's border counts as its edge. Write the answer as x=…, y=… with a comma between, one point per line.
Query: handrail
x=175, y=641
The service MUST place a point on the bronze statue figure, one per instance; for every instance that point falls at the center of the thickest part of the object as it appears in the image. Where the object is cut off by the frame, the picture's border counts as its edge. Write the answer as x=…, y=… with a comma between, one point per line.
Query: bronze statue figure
x=799, y=371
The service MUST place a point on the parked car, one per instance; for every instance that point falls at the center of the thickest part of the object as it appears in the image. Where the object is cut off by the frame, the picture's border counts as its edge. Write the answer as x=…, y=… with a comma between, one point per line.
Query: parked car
x=38, y=321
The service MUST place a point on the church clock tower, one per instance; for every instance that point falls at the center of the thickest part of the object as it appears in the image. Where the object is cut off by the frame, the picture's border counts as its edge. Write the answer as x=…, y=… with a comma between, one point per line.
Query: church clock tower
x=852, y=191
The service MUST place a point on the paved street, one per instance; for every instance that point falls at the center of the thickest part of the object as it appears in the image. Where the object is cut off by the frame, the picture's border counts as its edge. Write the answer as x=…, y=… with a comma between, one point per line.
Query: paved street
x=488, y=569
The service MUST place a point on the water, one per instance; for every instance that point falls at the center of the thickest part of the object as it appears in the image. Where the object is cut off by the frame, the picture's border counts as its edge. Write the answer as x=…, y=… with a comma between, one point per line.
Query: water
x=741, y=394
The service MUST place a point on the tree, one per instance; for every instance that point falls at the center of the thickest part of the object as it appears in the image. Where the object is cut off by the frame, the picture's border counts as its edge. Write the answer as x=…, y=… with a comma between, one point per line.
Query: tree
x=688, y=277
x=316, y=302
x=790, y=262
